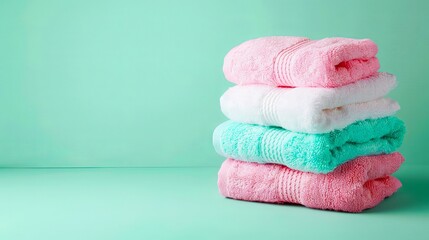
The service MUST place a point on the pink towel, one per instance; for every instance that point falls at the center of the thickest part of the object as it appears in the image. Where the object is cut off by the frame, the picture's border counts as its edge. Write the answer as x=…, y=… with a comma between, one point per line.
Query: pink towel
x=353, y=187
x=301, y=62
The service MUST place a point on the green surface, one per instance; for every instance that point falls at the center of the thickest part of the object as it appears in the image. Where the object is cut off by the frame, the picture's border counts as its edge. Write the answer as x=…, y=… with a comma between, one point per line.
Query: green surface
x=137, y=83
x=183, y=203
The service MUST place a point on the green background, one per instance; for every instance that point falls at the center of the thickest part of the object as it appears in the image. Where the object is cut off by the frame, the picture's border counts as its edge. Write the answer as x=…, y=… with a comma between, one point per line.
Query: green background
x=137, y=83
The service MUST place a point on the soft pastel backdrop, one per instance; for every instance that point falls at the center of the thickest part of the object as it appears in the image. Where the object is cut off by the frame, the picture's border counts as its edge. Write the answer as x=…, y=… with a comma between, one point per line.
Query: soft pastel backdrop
x=137, y=83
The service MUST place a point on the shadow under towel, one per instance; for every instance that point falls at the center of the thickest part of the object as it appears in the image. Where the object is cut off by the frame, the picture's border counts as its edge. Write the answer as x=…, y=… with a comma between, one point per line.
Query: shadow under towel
x=318, y=153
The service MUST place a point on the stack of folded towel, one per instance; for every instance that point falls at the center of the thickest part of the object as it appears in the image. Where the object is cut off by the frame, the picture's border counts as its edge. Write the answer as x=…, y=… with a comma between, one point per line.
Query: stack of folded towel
x=309, y=125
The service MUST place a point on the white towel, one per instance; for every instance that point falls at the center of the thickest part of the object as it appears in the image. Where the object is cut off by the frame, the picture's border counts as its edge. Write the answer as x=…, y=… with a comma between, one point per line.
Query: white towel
x=311, y=110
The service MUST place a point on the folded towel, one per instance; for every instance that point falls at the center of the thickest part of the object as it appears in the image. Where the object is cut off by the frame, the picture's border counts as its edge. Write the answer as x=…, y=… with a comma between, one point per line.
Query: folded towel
x=311, y=110
x=319, y=153
x=353, y=187
x=301, y=62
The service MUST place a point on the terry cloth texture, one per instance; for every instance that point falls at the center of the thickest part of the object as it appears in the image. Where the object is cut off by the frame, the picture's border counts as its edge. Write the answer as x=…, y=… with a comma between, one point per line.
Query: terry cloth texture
x=318, y=153
x=354, y=186
x=301, y=62
x=311, y=110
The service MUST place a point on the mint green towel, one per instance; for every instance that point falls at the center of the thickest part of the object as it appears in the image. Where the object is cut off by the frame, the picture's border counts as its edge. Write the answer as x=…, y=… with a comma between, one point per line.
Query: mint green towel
x=318, y=153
